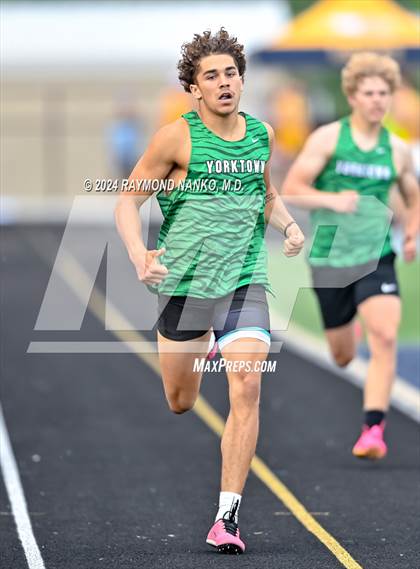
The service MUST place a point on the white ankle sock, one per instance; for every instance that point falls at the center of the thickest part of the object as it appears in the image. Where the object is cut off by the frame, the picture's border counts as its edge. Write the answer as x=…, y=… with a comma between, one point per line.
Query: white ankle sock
x=227, y=502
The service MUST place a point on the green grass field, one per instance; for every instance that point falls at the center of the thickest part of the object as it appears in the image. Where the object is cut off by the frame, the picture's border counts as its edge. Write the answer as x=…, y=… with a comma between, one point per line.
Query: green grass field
x=291, y=276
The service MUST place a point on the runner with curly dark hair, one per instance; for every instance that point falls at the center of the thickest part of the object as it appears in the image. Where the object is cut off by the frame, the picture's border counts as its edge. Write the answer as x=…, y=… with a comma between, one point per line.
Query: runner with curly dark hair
x=204, y=45
x=210, y=266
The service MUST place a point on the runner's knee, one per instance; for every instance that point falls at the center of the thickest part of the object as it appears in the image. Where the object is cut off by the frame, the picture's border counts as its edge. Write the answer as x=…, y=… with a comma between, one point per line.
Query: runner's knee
x=179, y=410
x=180, y=402
x=180, y=406
x=245, y=389
x=384, y=338
x=342, y=357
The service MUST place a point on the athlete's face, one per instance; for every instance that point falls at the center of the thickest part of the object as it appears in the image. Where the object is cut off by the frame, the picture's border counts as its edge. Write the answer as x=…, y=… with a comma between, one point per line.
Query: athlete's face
x=371, y=99
x=218, y=84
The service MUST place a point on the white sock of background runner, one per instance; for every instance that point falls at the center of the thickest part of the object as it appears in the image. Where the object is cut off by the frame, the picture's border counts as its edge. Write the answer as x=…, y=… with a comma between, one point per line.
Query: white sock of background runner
x=227, y=501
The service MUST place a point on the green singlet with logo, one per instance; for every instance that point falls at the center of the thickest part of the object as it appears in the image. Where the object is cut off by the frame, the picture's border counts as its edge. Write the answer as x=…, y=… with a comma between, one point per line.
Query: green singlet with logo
x=213, y=228
x=349, y=239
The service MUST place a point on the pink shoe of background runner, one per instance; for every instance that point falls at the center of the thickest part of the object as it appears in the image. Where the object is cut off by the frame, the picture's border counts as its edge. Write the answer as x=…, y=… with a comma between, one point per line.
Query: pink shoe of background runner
x=371, y=443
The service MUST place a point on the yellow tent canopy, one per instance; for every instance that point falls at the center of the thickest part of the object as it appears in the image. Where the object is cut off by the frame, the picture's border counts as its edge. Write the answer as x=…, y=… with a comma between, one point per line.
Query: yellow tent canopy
x=346, y=25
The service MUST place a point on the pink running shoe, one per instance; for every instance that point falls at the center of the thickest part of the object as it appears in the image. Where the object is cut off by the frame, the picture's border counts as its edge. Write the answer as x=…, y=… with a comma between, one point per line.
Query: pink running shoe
x=371, y=443
x=224, y=535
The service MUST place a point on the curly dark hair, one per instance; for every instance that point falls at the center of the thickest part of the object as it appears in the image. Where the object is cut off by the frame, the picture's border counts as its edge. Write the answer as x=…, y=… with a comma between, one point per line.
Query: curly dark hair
x=208, y=44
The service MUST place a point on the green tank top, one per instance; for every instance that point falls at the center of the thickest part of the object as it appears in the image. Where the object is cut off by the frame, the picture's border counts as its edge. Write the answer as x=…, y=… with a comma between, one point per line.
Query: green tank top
x=213, y=228
x=349, y=239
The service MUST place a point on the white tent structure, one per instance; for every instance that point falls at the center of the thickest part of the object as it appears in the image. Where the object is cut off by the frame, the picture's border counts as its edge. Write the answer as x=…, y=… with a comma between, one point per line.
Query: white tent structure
x=80, y=36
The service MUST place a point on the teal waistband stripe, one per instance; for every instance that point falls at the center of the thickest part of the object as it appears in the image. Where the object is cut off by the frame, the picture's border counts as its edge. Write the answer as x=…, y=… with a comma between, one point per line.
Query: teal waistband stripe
x=255, y=328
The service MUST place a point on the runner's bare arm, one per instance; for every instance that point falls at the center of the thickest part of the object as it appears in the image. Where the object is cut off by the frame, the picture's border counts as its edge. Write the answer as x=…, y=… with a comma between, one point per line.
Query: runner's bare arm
x=298, y=186
x=410, y=191
x=158, y=160
x=276, y=213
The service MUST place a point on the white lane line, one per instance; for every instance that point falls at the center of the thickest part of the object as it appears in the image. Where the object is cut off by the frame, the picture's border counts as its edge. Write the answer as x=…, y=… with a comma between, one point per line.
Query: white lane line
x=17, y=499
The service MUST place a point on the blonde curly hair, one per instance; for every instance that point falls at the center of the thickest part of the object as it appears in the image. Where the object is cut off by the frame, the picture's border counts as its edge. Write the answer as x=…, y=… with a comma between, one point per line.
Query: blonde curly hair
x=369, y=64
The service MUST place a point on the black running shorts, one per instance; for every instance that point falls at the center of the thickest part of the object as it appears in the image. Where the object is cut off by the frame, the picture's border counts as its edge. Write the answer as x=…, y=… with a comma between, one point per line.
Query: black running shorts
x=184, y=318
x=339, y=304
